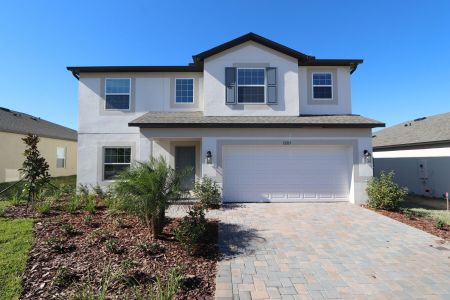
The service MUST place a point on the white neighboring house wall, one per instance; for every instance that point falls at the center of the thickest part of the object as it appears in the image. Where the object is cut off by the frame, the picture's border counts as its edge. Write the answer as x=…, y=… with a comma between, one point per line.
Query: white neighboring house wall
x=423, y=171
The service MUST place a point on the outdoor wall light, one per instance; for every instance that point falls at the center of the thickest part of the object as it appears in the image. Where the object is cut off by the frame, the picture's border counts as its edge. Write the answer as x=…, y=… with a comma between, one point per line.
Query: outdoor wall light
x=367, y=157
x=209, y=157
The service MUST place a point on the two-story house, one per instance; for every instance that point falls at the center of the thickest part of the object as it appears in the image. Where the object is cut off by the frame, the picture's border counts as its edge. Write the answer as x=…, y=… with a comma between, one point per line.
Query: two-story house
x=265, y=121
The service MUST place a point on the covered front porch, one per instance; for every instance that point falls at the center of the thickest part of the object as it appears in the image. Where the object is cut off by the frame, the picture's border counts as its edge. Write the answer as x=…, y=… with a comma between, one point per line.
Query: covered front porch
x=182, y=154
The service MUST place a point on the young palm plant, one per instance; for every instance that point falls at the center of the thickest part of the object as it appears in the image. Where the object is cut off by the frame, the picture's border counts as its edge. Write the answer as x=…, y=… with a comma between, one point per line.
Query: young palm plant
x=146, y=190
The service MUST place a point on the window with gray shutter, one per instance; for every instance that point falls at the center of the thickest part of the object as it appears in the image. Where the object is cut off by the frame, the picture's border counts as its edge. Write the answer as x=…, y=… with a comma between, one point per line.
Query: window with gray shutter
x=271, y=74
x=230, y=85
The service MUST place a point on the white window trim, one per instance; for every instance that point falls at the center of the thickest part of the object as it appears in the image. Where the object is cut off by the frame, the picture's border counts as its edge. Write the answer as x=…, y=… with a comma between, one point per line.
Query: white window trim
x=322, y=85
x=104, y=163
x=65, y=157
x=129, y=95
x=193, y=91
x=258, y=85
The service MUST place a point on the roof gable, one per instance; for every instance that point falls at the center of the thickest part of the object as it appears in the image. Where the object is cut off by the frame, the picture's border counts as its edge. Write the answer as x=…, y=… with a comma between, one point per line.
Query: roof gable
x=255, y=38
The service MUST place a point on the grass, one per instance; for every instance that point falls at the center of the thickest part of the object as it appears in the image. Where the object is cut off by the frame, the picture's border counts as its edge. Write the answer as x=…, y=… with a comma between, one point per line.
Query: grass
x=15, y=243
x=66, y=180
x=433, y=213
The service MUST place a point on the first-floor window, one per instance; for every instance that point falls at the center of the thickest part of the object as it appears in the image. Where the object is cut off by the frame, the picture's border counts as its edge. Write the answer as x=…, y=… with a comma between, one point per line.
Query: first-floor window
x=322, y=86
x=116, y=159
x=60, y=157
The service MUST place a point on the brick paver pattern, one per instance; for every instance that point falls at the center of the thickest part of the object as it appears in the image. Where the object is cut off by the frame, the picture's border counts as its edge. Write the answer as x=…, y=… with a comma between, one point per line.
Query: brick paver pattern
x=326, y=251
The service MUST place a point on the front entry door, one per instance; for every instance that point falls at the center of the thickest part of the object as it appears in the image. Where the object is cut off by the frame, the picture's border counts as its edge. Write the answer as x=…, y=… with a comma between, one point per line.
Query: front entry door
x=185, y=160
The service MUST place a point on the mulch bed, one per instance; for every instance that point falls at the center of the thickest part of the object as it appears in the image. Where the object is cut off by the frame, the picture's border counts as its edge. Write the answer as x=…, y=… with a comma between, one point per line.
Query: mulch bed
x=87, y=258
x=426, y=224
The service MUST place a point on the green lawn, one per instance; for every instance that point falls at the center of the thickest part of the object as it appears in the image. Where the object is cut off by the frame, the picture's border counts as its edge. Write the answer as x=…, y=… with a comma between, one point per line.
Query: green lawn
x=15, y=243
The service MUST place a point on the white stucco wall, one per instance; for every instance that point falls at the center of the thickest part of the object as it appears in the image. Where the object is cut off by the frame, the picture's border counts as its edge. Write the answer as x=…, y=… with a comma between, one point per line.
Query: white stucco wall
x=433, y=179
x=252, y=54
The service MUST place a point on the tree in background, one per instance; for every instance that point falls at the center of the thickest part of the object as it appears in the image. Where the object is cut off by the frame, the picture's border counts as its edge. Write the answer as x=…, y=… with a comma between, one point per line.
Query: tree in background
x=34, y=169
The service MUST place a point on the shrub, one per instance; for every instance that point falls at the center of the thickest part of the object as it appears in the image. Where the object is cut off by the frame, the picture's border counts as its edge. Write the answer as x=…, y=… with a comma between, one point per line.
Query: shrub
x=150, y=248
x=162, y=291
x=384, y=193
x=83, y=190
x=44, y=207
x=57, y=245
x=73, y=204
x=409, y=213
x=64, y=277
x=68, y=229
x=146, y=188
x=89, y=220
x=2, y=211
x=120, y=223
x=16, y=198
x=90, y=292
x=89, y=203
x=100, y=235
x=192, y=228
x=112, y=246
x=439, y=224
x=98, y=191
x=208, y=192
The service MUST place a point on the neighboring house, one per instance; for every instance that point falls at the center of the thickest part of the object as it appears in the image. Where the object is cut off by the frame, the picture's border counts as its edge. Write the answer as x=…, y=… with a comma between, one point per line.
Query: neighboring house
x=418, y=151
x=58, y=144
x=267, y=122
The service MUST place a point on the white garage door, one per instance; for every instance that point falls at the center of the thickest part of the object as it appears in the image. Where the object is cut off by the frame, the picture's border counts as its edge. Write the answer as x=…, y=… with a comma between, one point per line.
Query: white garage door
x=286, y=173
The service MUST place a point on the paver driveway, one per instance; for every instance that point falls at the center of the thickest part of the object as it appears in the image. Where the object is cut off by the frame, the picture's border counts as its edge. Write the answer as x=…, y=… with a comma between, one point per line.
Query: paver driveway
x=326, y=250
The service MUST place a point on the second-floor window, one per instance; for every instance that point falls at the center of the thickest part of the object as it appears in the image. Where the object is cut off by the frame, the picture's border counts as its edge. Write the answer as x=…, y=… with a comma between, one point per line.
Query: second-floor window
x=184, y=90
x=322, y=85
x=117, y=94
x=251, y=85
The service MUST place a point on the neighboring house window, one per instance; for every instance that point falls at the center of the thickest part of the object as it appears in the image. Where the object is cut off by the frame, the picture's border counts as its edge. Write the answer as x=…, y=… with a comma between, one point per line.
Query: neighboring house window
x=60, y=157
x=251, y=85
x=116, y=159
x=322, y=86
x=184, y=90
x=117, y=93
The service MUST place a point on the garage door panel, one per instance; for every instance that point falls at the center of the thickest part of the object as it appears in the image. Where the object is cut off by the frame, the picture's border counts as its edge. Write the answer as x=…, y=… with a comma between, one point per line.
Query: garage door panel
x=286, y=173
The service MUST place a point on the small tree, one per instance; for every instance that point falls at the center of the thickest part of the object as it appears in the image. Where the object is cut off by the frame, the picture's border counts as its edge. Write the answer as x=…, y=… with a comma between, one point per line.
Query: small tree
x=384, y=193
x=34, y=169
x=146, y=189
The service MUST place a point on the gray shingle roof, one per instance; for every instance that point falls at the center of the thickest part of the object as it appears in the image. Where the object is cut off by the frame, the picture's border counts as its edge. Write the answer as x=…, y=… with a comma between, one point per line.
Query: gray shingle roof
x=434, y=129
x=17, y=122
x=196, y=120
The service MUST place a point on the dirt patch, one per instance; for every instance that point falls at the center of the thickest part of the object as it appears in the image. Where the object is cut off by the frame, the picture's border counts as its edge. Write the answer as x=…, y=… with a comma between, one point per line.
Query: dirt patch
x=423, y=223
x=83, y=248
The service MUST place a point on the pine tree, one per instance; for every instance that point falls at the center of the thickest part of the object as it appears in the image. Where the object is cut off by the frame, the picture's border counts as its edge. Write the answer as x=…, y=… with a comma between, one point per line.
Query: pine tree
x=34, y=169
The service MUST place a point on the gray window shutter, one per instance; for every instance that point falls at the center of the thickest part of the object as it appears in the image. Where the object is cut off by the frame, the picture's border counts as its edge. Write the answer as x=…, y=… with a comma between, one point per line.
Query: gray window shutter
x=230, y=85
x=271, y=74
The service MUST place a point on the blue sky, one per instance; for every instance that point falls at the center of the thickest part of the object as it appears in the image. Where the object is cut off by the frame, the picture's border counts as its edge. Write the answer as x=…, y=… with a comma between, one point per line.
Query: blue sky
x=405, y=45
